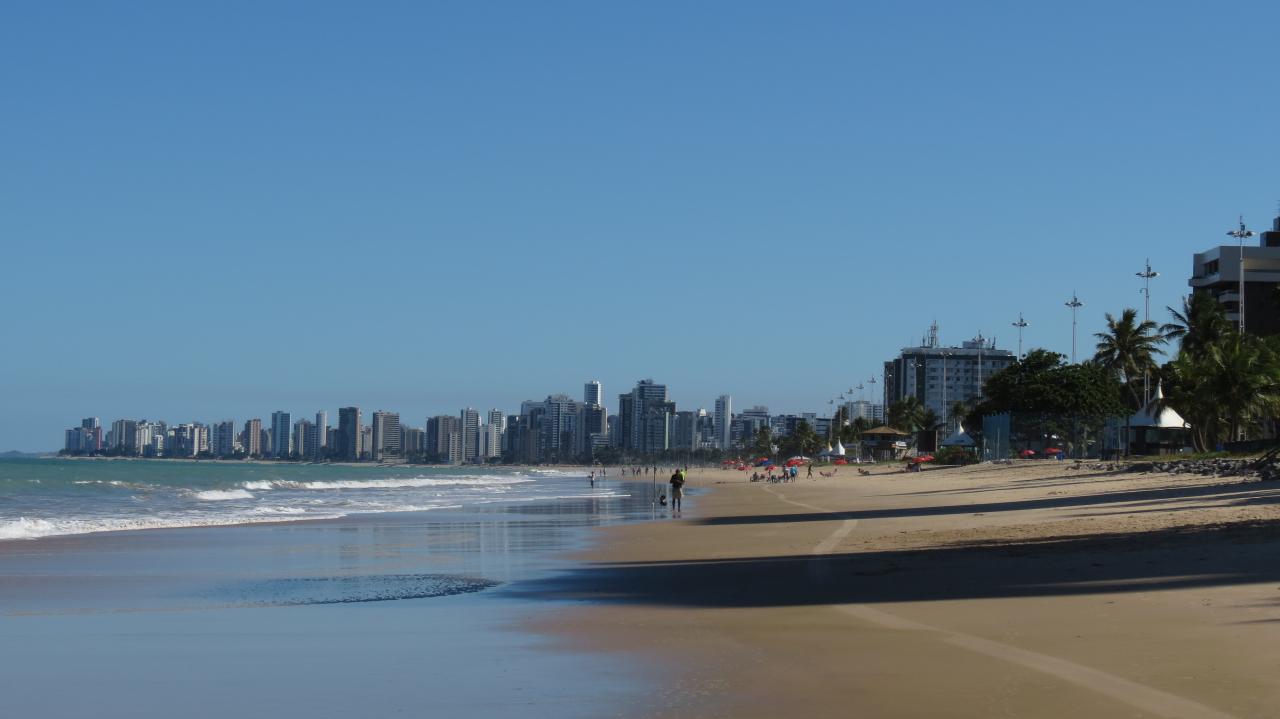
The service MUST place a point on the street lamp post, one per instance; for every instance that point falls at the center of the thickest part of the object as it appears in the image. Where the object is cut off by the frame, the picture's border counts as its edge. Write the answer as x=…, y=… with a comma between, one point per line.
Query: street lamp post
x=1021, y=324
x=1074, y=304
x=944, y=389
x=1146, y=276
x=1241, y=235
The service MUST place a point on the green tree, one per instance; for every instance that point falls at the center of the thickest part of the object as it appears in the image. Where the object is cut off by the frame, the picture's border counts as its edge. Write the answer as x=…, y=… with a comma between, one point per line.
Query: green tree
x=907, y=414
x=802, y=440
x=1228, y=388
x=1045, y=396
x=1128, y=348
x=1200, y=324
x=852, y=432
x=762, y=443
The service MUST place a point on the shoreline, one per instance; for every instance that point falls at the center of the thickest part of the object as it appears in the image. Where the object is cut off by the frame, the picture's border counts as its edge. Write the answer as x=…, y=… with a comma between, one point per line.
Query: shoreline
x=32, y=523
x=1026, y=590
x=369, y=615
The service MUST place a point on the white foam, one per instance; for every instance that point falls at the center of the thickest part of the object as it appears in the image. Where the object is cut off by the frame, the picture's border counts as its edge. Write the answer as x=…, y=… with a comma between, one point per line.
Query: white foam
x=24, y=528
x=218, y=495
x=389, y=483
x=279, y=510
x=27, y=528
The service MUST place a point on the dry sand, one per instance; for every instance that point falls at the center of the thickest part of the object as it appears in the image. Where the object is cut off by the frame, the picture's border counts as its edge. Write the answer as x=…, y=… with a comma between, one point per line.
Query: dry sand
x=1031, y=590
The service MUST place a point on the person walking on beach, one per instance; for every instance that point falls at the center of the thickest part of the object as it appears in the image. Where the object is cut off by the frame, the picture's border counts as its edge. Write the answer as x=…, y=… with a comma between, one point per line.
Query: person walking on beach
x=810, y=474
x=677, y=490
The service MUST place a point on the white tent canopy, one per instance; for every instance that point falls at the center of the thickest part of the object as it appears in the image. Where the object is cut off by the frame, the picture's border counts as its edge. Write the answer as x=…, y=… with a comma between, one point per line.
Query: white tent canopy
x=959, y=438
x=1157, y=414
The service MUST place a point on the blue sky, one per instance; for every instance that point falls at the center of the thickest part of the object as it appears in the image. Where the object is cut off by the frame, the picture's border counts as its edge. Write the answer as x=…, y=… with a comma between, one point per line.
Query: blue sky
x=222, y=209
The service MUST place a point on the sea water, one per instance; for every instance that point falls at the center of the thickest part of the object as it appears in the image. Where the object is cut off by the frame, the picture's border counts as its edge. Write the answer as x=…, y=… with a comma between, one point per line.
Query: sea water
x=394, y=604
x=48, y=497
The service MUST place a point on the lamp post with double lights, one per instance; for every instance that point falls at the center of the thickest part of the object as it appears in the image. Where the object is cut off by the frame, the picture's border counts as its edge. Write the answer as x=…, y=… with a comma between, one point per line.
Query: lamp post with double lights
x=1021, y=324
x=1074, y=304
x=1241, y=235
x=1146, y=276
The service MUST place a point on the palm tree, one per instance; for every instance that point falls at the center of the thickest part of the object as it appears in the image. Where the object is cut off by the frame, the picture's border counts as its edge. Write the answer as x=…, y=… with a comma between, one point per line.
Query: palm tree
x=930, y=420
x=1128, y=348
x=852, y=432
x=956, y=414
x=1201, y=324
x=1229, y=388
x=907, y=414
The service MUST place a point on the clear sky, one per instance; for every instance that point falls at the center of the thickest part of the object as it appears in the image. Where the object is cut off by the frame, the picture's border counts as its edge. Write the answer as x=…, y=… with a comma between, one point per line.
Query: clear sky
x=214, y=210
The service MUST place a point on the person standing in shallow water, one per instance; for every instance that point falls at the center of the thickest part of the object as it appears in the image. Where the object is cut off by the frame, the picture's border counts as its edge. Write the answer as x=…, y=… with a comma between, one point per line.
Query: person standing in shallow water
x=677, y=489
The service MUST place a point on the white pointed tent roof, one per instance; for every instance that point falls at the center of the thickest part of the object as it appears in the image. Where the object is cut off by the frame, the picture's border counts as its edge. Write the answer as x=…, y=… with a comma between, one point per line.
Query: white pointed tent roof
x=1158, y=414
x=959, y=438
x=839, y=450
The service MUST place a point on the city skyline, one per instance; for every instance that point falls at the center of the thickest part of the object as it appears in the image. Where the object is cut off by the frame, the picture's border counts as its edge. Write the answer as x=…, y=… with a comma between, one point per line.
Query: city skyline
x=458, y=158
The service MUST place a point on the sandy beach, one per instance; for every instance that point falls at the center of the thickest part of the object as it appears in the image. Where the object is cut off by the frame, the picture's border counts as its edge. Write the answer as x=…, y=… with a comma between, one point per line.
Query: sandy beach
x=1032, y=589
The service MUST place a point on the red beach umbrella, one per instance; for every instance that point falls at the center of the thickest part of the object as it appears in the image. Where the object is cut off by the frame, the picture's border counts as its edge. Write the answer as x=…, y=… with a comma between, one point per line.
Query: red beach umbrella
x=841, y=461
x=1028, y=453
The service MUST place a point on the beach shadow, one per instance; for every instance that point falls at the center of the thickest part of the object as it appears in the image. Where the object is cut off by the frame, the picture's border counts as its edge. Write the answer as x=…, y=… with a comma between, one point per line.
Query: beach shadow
x=1175, y=558
x=1268, y=495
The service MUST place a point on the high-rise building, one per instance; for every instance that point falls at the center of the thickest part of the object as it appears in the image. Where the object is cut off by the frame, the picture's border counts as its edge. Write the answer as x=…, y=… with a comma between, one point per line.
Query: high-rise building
x=348, y=434
x=304, y=438
x=593, y=393
x=252, y=440
x=592, y=430
x=386, y=435
x=446, y=440
x=498, y=421
x=705, y=431
x=723, y=417
x=366, y=442
x=470, y=419
x=941, y=376
x=223, y=443
x=684, y=431
x=490, y=442
x=559, y=427
x=868, y=411
x=183, y=441
x=644, y=418
x=281, y=447
x=412, y=441
x=94, y=427
x=322, y=434
x=1217, y=272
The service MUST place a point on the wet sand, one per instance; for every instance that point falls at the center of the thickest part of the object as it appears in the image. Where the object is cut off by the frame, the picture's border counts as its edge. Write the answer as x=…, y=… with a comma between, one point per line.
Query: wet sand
x=1026, y=590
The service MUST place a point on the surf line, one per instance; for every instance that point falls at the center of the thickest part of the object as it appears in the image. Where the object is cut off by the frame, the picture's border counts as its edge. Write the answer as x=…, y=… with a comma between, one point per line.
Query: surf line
x=1129, y=692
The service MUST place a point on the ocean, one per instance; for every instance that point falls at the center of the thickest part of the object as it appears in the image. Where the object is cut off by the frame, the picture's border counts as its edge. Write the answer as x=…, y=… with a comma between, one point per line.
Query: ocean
x=407, y=597
x=49, y=497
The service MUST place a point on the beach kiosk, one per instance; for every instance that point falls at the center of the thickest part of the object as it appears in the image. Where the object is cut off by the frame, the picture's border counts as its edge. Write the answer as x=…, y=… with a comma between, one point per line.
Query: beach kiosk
x=1157, y=428
x=959, y=438
x=885, y=443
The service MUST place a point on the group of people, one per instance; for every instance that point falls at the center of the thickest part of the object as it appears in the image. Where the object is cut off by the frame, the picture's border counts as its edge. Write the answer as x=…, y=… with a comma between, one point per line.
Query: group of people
x=788, y=474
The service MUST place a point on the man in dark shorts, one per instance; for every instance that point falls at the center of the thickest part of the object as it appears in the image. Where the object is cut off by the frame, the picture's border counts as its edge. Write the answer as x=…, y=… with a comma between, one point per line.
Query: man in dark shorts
x=677, y=489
